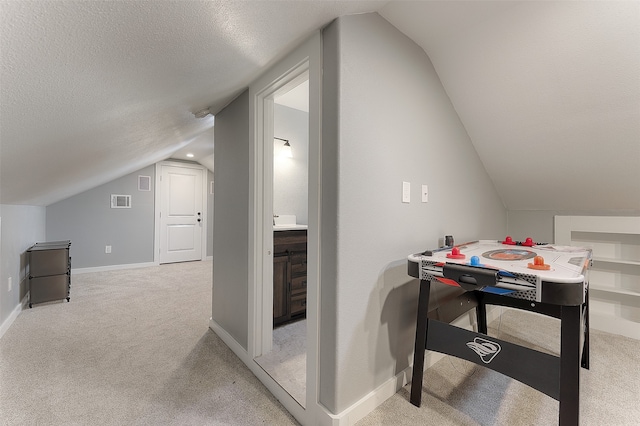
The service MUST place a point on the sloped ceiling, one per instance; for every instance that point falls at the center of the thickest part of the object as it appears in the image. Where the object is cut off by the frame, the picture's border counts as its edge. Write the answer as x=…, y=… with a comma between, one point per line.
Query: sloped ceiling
x=91, y=91
x=549, y=92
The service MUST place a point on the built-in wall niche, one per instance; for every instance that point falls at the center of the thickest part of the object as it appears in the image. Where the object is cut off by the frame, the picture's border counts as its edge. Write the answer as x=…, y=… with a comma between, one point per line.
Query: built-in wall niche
x=614, y=278
x=615, y=247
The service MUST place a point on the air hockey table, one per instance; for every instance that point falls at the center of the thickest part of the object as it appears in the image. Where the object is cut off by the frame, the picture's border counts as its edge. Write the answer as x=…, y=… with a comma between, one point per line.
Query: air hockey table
x=548, y=279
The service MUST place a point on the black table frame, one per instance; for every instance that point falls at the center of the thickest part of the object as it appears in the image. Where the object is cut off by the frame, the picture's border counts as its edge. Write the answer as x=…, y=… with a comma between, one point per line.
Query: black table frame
x=556, y=376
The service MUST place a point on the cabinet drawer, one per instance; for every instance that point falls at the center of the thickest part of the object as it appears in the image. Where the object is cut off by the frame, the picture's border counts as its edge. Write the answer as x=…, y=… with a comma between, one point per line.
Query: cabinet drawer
x=299, y=263
x=299, y=257
x=289, y=241
x=48, y=262
x=299, y=285
x=298, y=304
x=47, y=289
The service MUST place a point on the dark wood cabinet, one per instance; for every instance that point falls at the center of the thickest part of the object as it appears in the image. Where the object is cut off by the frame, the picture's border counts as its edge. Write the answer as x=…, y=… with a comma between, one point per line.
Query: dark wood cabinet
x=281, y=274
x=289, y=275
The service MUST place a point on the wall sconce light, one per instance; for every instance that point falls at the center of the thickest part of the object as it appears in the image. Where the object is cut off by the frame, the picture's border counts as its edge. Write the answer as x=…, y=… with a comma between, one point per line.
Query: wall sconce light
x=286, y=149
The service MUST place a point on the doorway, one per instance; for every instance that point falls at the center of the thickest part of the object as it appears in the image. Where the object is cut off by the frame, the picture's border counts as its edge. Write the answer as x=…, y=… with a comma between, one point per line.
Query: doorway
x=307, y=58
x=180, y=212
x=286, y=360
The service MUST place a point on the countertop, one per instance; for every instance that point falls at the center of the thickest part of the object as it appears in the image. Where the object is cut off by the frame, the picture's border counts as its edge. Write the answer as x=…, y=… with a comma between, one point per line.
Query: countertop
x=289, y=227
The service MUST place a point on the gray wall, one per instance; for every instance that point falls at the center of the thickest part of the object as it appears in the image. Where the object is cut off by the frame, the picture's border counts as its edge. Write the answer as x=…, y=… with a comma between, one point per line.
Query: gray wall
x=386, y=119
x=231, y=219
x=291, y=175
x=88, y=220
x=21, y=227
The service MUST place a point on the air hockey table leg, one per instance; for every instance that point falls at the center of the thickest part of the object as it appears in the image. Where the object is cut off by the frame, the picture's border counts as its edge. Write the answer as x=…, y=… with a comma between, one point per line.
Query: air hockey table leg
x=585, y=346
x=570, y=331
x=422, y=324
x=481, y=314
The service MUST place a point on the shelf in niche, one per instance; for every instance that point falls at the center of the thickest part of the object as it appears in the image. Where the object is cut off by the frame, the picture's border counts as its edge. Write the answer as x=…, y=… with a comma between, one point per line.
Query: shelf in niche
x=617, y=261
x=601, y=289
x=615, y=272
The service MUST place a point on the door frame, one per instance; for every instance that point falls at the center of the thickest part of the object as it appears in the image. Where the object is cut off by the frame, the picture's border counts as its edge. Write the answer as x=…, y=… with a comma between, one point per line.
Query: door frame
x=264, y=112
x=157, y=205
x=306, y=58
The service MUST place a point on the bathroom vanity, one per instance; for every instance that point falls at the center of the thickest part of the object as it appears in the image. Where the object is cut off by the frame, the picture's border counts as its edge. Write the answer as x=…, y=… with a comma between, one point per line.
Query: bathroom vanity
x=289, y=273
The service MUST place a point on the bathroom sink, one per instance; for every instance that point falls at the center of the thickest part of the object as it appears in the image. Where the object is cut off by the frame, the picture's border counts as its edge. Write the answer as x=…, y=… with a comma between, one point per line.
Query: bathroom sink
x=286, y=222
x=289, y=227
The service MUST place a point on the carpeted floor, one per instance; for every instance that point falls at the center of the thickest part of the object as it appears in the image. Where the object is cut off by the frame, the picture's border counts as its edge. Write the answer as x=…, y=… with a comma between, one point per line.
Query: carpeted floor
x=457, y=392
x=132, y=347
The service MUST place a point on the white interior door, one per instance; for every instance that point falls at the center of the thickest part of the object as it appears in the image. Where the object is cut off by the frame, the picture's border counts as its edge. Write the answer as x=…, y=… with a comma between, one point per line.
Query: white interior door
x=181, y=214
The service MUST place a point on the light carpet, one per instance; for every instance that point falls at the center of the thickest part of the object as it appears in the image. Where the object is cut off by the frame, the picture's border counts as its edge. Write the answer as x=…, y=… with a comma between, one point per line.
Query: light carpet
x=458, y=392
x=132, y=347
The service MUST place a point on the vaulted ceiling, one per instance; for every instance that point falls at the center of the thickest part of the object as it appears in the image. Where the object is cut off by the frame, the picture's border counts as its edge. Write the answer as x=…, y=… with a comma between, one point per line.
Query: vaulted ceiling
x=549, y=92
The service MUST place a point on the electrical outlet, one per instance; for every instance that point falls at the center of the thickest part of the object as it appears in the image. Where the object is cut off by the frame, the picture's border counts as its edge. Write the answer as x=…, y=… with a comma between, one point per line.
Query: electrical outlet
x=10, y=284
x=107, y=249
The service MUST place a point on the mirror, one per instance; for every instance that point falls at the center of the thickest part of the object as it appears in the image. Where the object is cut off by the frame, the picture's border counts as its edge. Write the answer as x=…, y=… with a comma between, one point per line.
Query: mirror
x=286, y=361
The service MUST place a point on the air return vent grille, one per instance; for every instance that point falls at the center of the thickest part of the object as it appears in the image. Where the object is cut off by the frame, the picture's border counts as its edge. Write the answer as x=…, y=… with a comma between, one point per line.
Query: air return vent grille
x=144, y=183
x=120, y=201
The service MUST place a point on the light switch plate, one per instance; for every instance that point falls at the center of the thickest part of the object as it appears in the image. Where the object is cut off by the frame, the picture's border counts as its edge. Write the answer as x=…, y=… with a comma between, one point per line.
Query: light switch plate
x=425, y=193
x=406, y=192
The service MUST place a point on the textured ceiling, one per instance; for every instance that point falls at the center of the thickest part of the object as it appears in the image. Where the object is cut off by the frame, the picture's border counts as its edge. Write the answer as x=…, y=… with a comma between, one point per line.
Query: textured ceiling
x=549, y=92
x=90, y=91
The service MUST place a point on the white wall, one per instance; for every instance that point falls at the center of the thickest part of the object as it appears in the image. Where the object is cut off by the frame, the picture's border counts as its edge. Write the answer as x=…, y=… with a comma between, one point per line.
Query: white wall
x=230, y=219
x=291, y=175
x=22, y=226
x=386, y=119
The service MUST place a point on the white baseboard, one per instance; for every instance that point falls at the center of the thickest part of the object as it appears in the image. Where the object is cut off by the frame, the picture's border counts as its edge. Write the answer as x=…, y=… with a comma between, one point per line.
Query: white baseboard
x=319, y=415
x=14, y=314
x=371, y=401
x=76, y=271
